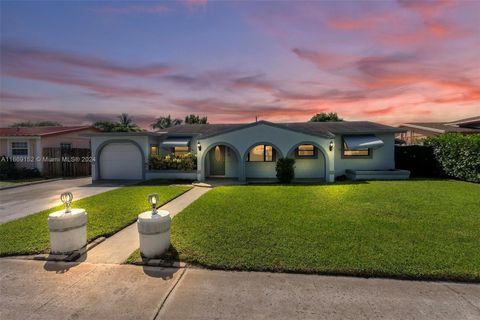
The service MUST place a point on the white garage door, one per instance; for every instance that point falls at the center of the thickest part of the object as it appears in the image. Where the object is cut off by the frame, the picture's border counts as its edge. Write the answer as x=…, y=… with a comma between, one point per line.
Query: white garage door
x=121, y=161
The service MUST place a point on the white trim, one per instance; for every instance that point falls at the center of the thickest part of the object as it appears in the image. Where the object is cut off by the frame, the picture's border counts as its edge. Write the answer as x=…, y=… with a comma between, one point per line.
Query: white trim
x=422, y=128
x=9, y=148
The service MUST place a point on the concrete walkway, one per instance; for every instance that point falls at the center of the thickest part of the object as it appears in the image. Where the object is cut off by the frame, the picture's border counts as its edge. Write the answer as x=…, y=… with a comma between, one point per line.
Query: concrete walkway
x=39, y=290
x=26, y=200
x=117, y=248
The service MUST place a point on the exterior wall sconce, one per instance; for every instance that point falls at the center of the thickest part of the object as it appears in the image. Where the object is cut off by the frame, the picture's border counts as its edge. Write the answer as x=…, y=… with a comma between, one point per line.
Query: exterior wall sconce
x=199, y=146
x=153, y=199
x=330, y=146
x=67, y=198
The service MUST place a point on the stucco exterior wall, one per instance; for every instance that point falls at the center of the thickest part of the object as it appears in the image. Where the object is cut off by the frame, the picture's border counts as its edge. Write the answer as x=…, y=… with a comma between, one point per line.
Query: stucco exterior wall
x=98, y=141
x=75, y=138
x=381, y=159
x=244, y=139
x=34, y=150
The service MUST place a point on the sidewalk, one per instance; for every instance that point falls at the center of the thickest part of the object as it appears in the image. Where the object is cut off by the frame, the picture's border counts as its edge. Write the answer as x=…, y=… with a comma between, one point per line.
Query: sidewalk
x=39, y=290
x=117, y=248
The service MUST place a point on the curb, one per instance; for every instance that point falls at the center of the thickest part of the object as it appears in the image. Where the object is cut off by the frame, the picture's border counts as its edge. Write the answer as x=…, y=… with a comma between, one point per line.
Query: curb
x=30, y=183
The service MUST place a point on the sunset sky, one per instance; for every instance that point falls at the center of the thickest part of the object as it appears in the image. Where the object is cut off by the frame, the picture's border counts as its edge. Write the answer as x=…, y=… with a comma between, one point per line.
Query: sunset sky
x=384, y=61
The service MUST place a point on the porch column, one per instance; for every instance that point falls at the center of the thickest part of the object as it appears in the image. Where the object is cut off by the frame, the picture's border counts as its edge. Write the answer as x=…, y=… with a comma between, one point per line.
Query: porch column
x=38, y=155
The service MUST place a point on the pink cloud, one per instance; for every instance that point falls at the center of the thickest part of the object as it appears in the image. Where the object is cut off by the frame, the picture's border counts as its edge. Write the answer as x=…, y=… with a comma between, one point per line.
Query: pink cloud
x=323, y=59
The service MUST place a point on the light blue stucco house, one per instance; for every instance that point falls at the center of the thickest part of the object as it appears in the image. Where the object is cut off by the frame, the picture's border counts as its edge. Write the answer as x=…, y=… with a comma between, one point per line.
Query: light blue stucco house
x=322, y=151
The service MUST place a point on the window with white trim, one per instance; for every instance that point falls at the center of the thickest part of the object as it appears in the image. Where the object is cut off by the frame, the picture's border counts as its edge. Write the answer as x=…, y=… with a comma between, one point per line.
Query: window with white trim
x=19, y=148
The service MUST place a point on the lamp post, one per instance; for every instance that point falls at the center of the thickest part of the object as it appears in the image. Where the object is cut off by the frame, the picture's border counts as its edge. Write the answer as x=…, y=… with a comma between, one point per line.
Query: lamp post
x=154, y=229
x=68, y=227
x=153, y=200
x=67, y=198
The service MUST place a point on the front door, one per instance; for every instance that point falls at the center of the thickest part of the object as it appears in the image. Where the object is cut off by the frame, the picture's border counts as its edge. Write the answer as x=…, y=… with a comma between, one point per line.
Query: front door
x=217, y=161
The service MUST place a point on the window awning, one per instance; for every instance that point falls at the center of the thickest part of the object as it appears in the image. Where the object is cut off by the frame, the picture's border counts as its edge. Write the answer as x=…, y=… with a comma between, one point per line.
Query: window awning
x=176, y=142
x=363, y=142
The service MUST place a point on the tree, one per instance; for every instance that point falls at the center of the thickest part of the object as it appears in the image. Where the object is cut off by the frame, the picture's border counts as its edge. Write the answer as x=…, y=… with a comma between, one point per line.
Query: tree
x=195, y=119
x=36, y=124
x=323, y=117
x=165, y=122
x=125, y=124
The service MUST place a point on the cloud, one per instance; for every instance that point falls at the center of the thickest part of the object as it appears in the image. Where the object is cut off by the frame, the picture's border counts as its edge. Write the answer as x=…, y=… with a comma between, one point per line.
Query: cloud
x=86, y=72
x=323, y=59
x=133, y=10
x=6, y=96
x=377, y=112
x=195, y=4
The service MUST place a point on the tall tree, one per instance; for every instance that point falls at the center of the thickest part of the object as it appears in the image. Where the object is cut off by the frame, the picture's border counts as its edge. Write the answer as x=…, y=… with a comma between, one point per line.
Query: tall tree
x=323, y=117
x=125, y=124
x=195, y=119
x=165, y=122
x=45, y=123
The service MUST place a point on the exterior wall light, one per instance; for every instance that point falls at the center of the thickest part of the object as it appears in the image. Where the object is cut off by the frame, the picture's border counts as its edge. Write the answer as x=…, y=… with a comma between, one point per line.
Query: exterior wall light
x=67, y=198
x=153, y=199
x=330, y=146
x=199, y=146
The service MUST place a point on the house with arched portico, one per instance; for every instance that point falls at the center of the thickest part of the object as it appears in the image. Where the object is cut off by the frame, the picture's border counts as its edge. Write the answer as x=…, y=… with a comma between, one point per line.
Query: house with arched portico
x=248, y=152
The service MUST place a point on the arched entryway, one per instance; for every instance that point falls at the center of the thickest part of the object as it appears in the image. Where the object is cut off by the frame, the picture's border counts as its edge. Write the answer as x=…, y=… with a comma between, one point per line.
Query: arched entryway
x=310, y=161
x=222, y=160
x=260, y=160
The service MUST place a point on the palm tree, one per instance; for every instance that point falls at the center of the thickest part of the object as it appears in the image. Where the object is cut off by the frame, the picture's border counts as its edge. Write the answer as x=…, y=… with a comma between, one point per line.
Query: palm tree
x=126, y=124
x=165, y=122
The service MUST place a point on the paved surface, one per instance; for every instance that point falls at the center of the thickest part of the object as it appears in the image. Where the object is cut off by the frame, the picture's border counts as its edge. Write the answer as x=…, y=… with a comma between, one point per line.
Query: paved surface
x=23, y=201
x=36, y=290
x=117, y=248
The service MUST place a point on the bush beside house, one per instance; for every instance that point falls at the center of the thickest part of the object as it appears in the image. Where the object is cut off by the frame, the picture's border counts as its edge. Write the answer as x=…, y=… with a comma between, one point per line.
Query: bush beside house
x=285, y=169
x=9, y=171
x=185, y=162
x=459, y=155
x=419, y=160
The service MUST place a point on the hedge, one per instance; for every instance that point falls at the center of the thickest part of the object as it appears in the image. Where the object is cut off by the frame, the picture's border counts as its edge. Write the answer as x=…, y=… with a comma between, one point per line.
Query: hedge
x=419, y=160
x=459, y=155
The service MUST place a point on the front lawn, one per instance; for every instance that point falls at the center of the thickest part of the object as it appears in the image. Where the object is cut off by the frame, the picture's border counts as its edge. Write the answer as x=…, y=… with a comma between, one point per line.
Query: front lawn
x=418, y=229
x=107, y=212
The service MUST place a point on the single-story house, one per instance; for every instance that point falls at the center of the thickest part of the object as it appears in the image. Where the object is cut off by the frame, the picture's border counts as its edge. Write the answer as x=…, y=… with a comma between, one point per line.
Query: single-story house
x=415, y=132
x=322, y=150
x=27, y=144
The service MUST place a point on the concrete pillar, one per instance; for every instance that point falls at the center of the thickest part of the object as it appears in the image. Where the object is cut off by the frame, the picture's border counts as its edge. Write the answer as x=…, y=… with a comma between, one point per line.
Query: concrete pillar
x=38, y=155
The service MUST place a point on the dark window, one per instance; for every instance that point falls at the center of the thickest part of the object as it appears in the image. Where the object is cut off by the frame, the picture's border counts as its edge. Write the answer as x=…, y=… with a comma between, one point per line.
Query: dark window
x=19, y=148
x=306, y=151
x=65, y=146
x=261, y=153
x=355, y=152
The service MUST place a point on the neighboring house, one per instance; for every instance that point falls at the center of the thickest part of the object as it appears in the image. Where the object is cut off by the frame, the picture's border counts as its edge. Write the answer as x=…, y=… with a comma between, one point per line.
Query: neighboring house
x=27, y=144
x=322, y=150
x=418, y=131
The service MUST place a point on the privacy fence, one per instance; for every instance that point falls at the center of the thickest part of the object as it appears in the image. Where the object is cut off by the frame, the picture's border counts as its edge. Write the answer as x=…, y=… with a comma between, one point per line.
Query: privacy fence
x=74, y=162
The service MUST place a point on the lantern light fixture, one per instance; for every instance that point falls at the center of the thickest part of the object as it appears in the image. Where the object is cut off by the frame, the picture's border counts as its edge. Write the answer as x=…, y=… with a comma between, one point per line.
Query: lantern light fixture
x=67, y=198
x=199, y=146
x=153, y=200
x=330, y=146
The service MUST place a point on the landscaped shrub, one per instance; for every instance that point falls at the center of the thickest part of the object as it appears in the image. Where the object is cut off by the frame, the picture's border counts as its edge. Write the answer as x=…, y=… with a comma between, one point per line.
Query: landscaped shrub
x=285, y=169
x=419, y=160
x=459, y=155
x=9, y=171
x=185, y=162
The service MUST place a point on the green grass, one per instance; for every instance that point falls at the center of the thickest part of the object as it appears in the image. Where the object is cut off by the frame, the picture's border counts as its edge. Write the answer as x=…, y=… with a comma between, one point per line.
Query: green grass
x=107, y=212
x=418, y=229
x=11, y=183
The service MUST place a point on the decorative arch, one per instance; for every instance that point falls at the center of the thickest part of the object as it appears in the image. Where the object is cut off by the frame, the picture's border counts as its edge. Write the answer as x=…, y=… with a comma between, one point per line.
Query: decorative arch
x=221, y=143
x=277, y=149
x=319, y=147
x=100, y=148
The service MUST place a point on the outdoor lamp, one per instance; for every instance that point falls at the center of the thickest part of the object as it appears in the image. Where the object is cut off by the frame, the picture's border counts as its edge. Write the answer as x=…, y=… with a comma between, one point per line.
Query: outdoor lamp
x=199, y=146
x=67, y=198
x=330, y=146
x=153, y=199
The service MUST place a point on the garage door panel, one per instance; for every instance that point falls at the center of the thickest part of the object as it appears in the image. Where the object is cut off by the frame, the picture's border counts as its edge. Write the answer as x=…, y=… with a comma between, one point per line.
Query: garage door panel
x=121, y=161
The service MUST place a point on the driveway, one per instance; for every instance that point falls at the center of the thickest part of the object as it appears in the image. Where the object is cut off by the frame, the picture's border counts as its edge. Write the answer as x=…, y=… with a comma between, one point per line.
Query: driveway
x=39, y=290
x=23, y=201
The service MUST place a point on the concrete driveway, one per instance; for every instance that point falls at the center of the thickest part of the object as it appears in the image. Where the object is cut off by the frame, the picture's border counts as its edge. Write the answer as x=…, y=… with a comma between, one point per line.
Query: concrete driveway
x=39, y=290
x=23, y=201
